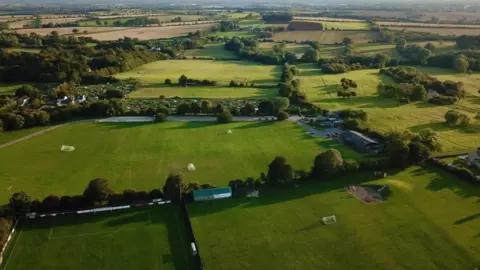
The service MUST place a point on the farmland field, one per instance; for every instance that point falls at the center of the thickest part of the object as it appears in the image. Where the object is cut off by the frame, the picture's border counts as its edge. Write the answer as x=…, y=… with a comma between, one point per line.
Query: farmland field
x=440, y=30
x=325, y=37
x=388, y=114
x=154, y=74
x=143, y=238
x=140, y=156
x=258, y=23
x=208, y=92
x=326, y=19
x=430, y=221
x=68, y=30
x=298, y=49
x=434, y=25
x=343, y=25
x=232, y=34
x=146, y=33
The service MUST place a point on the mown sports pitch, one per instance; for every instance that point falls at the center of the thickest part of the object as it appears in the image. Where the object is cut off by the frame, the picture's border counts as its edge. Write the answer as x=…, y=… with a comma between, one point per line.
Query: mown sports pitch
x=143, y=238
x=140, y=156
x=430, y=221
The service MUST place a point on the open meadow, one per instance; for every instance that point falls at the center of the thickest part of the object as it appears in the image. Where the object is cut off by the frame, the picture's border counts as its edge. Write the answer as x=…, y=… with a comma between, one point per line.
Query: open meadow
x=325, y=37
x=429, y=221
x=298, y=49
x=140, y=156
x=388, y=114
x=143, y=238
x=153, y=76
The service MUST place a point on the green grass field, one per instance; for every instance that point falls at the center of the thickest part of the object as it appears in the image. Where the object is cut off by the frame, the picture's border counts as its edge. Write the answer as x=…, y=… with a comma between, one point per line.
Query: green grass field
x=143, y=238
x=9, y=88
x=298, y=49
x=7, y=136
x=389, y=114
x=430, y=221
x=326, y=37
x=140, y=156
x=232, y=34
x=345, y=25
x=154, y=74
x=258, y=24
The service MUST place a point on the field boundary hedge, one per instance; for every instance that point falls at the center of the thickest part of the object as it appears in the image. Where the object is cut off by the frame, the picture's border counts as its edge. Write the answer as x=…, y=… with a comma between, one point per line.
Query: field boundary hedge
x=197, y=258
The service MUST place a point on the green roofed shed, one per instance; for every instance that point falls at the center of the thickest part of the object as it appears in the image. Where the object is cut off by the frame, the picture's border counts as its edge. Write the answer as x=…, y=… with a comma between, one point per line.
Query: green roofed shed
x=212, y=194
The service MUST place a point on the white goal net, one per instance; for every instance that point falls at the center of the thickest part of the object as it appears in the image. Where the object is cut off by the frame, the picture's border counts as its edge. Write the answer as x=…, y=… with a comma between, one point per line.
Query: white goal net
x=67, y=148
x=329, y=220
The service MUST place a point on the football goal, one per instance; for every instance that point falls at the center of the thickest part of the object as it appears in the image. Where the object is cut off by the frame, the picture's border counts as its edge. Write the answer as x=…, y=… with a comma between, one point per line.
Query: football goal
x=329, y=220
x=67, y=148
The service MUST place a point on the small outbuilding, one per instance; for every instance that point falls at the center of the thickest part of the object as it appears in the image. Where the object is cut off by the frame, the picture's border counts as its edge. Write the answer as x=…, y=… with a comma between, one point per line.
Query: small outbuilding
x=360, y=141
x=212, y=194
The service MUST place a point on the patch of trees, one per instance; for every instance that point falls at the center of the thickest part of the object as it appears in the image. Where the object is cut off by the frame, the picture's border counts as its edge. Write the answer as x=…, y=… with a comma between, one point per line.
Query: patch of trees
x=58, y=65
x=460, y=172
x=98, y=193
x=404, y=92
x=346, y=84
x=414, y=54
x=234, y=83
x=407, y=148
x=453, y=118
x=136, y=21
x=226, y=26
x=185, y=81
x=277, y=18
x=349, y=63
x=353, y=114
x=11, y=40
x=289, y=86
x=462, y=62
x=452, y=90
x=248, y=49
x=465, y=42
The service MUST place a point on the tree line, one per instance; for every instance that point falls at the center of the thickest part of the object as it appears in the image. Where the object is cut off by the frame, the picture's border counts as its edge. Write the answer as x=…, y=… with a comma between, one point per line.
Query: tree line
x=449, y=91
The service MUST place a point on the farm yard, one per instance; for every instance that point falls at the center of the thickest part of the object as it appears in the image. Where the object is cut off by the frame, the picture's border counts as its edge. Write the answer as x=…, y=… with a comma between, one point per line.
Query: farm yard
x=154, y=236
x=140, y=156
x=325, y=37
x=428, y=221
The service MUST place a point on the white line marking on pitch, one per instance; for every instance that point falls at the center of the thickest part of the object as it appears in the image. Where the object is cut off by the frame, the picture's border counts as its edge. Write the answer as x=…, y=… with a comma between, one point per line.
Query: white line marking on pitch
x=13, y=249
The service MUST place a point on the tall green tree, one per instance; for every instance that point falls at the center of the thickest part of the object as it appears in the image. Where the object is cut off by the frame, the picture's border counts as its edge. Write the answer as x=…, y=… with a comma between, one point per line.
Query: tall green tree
x=327, y=164
x=20, y=202
x=279, y=171
x=98, y=191
x=172, y=190
x=460, y=63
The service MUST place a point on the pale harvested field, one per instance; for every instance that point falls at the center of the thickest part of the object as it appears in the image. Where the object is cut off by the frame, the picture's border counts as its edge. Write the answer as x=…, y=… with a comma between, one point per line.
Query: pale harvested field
x=434, y=25
x=146, y=33
x=18, y=24
x=441, y=31
x=61, y=20
x=68, y=30
x=325, y=37
x=326, y=19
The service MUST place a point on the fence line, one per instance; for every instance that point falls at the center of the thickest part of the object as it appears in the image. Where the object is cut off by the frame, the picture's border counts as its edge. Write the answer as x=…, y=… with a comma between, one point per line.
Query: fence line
x=191, y=235
x=96, y=210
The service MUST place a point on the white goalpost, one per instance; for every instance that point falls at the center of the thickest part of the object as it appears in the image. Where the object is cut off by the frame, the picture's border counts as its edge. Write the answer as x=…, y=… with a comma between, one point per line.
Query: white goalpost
x=327, y=220
x=67, y=148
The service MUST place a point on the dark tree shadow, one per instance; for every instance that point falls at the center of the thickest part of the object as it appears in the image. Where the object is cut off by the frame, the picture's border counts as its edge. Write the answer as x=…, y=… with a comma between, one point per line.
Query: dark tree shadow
x=125, y=125
x=439, y=126
x=444, y=180
x=259, y=124
x=194, y=125
x=314, y=225
x=137, y=217
x=467, y=219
